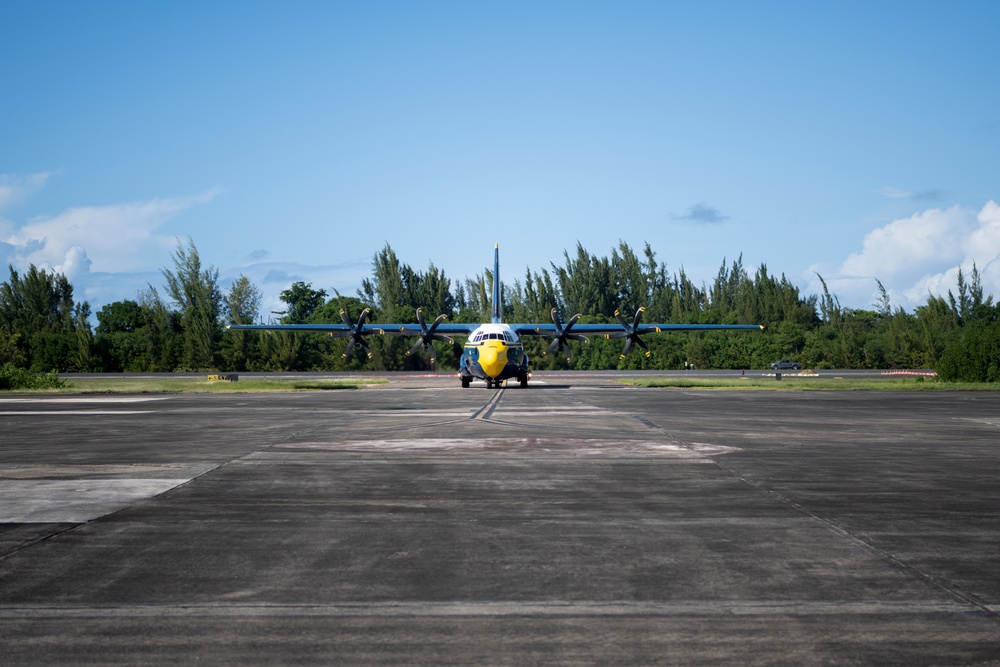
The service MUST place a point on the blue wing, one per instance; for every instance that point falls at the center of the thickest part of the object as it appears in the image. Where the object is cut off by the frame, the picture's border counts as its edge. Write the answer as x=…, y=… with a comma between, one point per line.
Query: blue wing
x=440, y=331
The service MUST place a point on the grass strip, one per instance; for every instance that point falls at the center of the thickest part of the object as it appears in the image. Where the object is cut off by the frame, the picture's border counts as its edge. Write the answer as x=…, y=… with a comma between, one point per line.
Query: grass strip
x=810, y=383
x=119, y=385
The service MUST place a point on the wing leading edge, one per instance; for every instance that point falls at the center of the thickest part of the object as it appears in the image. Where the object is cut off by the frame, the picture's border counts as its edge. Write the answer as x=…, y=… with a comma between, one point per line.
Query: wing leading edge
x=441, y=331
x=630, y=331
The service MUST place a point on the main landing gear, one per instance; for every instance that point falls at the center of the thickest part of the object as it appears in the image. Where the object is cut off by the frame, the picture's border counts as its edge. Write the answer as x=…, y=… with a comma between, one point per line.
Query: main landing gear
x=522, y=379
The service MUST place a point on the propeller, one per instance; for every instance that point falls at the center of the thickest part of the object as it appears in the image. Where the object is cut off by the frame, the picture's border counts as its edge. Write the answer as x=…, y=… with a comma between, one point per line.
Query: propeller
x=630, y=333
x=563, y=335
x=427, y=335
x=356, y=335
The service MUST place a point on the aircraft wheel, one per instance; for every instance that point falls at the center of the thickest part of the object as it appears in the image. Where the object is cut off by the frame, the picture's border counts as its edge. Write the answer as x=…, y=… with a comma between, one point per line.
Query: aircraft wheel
x=466, y=380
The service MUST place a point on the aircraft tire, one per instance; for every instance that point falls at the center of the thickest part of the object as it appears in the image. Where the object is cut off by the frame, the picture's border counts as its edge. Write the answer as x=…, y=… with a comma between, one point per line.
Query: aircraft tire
x=466, y=381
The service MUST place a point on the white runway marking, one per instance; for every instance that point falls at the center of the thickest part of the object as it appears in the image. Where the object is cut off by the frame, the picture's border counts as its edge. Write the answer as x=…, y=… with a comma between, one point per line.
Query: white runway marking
x=533, y=446
x=74, y=412
x=94, y=471
x=84, y=399
x=536, y=608
x=79, y=402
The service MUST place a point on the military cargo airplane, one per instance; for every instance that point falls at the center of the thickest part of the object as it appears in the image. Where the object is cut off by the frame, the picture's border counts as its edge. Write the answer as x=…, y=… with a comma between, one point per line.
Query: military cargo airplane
x=493, y=351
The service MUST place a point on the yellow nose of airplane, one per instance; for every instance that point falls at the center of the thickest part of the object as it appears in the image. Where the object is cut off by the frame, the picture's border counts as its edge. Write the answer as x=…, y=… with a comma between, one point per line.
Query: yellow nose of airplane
x=493, y=357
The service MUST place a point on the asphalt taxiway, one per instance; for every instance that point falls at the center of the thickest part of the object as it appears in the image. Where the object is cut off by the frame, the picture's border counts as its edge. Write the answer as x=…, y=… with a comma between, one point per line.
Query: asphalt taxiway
x=578, y=521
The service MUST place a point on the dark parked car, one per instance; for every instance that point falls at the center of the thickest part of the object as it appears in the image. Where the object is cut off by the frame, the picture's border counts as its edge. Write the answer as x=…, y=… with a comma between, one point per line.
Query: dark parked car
x=785, y=363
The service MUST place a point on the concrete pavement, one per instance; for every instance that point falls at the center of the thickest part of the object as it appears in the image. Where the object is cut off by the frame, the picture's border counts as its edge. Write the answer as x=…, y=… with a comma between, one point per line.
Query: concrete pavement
x=573, y=522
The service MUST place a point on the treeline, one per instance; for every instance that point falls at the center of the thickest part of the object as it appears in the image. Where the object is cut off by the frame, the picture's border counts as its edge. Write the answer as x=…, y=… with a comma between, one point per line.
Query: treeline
x=43, y=329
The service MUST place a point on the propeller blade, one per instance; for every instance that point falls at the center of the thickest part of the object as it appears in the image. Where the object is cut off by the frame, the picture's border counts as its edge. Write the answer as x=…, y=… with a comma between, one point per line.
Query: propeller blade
x=638, y=341
x=427, y=335
x=630, y=333
x=355, y=336
x=638, y=316
x=562, y=335
x=555, y=320
x=439, y=320
x=621, y=320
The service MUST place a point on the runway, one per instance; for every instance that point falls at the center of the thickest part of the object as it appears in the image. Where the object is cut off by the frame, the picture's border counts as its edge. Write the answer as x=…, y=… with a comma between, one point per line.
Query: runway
x=578, y=521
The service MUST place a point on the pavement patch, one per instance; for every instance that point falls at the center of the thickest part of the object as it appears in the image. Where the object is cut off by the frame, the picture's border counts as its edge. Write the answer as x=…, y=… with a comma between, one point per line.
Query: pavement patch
x=74, y=500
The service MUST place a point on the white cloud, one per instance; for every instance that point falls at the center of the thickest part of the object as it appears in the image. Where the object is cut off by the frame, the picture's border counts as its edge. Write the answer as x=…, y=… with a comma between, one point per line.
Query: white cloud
x=980, y=249
x=921, y=254
x=75, y=263
x=120, y=237
x=984, y=242
x=907, y=248
x=15, y=189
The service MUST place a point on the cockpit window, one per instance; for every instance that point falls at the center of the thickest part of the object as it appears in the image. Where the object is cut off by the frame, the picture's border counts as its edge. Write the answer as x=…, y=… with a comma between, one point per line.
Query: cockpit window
x=506, y=336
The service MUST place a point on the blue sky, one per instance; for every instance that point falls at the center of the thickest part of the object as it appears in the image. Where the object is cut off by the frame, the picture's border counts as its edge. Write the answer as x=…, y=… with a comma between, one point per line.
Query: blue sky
x=292, y=141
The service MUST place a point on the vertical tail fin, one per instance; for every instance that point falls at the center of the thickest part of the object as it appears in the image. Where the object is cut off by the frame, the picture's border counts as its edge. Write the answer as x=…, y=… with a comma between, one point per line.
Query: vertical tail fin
x=496, y=317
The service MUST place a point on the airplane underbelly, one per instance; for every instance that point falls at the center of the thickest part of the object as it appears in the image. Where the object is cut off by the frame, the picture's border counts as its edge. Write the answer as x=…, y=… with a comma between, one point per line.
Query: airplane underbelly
x=508, y=371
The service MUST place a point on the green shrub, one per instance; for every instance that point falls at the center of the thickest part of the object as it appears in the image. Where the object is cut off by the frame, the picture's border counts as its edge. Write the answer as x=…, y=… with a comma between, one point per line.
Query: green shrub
x=973, y=354
x=19, y=378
